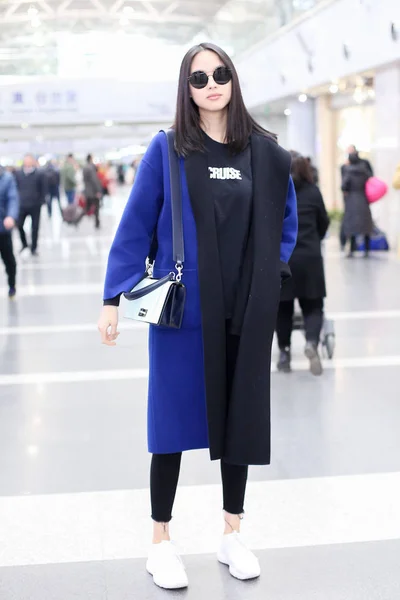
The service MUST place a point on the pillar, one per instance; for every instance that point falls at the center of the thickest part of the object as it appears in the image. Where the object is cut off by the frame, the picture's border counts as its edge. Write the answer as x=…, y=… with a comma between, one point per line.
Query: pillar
x=326, y=153
x=301, y=127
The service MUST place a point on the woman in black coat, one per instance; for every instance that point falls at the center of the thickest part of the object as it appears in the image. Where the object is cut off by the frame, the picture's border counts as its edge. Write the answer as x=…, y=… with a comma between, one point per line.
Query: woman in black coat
x=308, y=280
x=357, y=214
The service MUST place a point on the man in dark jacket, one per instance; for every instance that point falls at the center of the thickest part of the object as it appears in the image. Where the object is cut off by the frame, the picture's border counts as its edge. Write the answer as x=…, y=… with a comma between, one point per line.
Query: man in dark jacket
x=32, y=193
x=9, y=206
x=93, y=189
x=68, y=178
x=357, y=218
x=52, y=180
x=352, y=151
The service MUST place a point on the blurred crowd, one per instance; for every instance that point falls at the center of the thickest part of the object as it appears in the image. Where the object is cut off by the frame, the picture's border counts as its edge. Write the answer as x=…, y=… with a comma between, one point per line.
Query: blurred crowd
x=79, y=191
x=77, y=188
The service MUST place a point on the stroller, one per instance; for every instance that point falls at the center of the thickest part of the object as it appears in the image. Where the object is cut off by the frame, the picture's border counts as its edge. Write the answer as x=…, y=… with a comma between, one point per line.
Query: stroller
x=327, y=333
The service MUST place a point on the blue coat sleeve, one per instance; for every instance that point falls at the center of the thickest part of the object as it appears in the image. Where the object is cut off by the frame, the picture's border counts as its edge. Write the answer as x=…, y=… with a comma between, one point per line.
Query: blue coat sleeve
x=289, y=230
x=129, y=250
x=12, y=206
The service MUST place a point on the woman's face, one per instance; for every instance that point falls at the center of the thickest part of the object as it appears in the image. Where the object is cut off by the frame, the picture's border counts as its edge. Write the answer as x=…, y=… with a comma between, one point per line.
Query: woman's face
x=213, y=97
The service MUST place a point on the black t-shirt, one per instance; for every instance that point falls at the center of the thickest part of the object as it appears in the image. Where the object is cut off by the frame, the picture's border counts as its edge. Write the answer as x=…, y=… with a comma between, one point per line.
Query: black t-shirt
x=232, y=191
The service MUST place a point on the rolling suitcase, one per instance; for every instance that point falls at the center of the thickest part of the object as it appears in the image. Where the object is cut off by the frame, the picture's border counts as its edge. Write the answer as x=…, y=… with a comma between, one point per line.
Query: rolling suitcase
x=71, y=214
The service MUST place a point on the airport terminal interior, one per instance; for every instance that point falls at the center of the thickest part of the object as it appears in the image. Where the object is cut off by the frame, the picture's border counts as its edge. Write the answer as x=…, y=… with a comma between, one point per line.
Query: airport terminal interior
x=99, y=78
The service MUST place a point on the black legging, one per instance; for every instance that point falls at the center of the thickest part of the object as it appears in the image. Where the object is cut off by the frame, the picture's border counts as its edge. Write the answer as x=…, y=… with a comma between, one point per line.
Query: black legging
x=313, y=313
x=164, y=475
x=165, y=468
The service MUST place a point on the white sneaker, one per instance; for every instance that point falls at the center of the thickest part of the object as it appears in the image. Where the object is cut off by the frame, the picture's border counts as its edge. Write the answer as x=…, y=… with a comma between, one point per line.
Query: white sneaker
x=242, y=563
x=166, y=567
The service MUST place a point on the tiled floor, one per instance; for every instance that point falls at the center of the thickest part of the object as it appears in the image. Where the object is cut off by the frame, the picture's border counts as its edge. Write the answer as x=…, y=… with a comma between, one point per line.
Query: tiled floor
x=74, y=501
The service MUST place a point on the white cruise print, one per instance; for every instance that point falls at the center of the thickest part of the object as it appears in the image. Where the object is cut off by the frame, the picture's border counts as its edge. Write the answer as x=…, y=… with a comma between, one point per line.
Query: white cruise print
x=224, y=173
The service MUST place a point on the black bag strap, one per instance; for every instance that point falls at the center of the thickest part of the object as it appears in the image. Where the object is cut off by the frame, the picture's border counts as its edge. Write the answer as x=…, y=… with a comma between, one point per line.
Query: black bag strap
x=176, y=207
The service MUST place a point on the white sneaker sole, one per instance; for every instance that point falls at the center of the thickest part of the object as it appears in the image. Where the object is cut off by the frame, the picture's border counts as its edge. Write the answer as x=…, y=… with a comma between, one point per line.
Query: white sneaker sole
x=238, y=574
x=177, y=585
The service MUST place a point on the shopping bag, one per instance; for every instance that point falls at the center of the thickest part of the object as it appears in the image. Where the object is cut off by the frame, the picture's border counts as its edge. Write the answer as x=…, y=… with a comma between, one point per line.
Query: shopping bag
x=375, y=189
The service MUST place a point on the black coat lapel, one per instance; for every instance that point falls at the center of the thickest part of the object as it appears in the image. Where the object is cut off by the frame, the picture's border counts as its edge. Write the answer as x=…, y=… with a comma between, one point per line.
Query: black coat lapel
x=248, y=424
x=211, y=298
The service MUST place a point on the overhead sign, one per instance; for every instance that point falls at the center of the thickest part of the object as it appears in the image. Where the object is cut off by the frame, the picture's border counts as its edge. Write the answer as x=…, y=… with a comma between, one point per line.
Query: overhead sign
x=90, y=100
x=28, y=100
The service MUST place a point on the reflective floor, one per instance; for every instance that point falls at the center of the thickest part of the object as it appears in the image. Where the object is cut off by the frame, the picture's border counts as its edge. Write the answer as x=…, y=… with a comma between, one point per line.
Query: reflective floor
x=74, y=500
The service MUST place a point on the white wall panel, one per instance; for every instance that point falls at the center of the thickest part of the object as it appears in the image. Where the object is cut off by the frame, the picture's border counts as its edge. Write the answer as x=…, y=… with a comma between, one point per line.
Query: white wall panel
x=278, y=67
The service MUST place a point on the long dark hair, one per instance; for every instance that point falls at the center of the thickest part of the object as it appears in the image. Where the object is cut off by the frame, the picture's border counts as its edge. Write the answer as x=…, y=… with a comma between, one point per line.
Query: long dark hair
x=301, y=169
x=189, y=134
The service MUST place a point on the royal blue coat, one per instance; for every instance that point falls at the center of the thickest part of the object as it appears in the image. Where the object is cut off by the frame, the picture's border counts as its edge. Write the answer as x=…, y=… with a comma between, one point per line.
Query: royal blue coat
x=188, y=404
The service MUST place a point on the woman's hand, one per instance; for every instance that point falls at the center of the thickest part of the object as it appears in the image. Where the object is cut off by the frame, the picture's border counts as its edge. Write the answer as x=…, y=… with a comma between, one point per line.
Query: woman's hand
x=108, y=324
x=9, y=223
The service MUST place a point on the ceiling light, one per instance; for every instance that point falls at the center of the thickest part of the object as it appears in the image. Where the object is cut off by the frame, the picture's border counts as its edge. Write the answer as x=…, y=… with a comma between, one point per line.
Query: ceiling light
x=32, y=450
x=287, y=112
x=303, y=98
x=128, y=10
x=334, y=88
x=108, y=123
x=24, y=126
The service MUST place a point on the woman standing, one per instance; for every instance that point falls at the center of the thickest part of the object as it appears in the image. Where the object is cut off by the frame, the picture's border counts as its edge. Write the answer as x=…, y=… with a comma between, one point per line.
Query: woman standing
x=357, y=213
x=209, y=382
x=308, y=280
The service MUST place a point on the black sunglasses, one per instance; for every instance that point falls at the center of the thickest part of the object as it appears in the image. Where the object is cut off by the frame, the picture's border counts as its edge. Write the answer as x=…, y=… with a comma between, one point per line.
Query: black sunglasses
x=199, y=79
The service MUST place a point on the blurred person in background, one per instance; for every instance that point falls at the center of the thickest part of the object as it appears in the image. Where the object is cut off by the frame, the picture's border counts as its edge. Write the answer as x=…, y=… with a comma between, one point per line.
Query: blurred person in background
x=92, y=189
x=352, y=151
x=112, y=175
x=11, y=169
x=52, y=180
x=121, y=174
x=32, y=195
x=129, y=174
x=357, y=218
x=68, y=178
x=239, y=204
x=9, y=209
x=314, y=170
x=103, y=175
x=307, y=283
